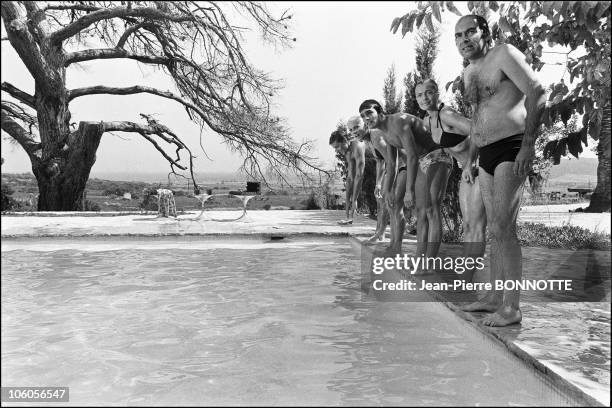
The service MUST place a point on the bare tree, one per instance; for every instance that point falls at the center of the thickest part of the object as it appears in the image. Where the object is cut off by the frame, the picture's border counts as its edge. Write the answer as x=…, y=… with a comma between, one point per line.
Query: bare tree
x=193, y=42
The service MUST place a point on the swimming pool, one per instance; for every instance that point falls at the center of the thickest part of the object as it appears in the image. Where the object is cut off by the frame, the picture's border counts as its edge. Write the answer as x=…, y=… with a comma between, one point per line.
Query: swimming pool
x=191, y=321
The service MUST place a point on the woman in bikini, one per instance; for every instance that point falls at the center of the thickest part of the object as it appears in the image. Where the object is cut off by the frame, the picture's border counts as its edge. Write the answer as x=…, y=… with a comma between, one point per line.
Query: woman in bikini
x=450, y=130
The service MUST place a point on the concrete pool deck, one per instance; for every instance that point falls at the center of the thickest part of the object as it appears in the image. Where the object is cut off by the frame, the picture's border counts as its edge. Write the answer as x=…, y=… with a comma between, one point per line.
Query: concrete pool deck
x=568, y=342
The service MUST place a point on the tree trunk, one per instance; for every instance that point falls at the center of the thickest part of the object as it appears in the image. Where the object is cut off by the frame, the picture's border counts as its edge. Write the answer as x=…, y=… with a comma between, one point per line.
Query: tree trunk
x=62, y=179
x=600, y=200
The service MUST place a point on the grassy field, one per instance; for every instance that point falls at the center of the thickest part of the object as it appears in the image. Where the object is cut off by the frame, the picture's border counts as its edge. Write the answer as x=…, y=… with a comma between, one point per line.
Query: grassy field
x=107, y=195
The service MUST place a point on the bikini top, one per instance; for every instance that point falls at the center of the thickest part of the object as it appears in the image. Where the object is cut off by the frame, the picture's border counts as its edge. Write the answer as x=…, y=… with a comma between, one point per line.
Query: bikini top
x=447, y=139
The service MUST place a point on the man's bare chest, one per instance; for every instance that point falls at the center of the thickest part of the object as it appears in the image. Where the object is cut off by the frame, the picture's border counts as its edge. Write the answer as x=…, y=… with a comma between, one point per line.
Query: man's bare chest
x=482, y=84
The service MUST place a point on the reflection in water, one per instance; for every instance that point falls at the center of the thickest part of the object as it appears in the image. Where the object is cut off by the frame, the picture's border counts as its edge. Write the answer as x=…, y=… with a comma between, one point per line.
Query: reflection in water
x=246, y=325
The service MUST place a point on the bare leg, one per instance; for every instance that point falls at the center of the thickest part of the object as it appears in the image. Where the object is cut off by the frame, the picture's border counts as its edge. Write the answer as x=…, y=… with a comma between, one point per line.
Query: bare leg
x=382, y=219
x=421, y=198
x=422, y=193
x=437, y=177
x=398, y=211
x=493, y=299
x=506, y=252
x=474, y=223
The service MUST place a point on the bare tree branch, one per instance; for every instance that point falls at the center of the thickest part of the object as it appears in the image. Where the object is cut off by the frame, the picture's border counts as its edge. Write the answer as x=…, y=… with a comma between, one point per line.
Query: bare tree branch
x=17, y=112
x=129, y=31
x=18, y=94
x=17, y=132
x=152, y=128
x=109, y=53
x=74, y=6
x=22, y=40
x=113, y=12
x=35, y=16
x=101, y=89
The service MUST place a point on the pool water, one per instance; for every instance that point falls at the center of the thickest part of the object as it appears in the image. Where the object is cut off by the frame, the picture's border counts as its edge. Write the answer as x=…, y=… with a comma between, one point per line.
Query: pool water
x=172, y=321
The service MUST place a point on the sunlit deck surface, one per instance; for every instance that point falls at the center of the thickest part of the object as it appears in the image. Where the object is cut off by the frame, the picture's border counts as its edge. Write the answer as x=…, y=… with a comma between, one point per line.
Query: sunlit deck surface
x=568, y=340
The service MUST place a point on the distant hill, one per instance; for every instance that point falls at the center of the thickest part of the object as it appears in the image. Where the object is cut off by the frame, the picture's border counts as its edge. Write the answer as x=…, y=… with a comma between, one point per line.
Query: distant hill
x=574, y=173
x=162, y=177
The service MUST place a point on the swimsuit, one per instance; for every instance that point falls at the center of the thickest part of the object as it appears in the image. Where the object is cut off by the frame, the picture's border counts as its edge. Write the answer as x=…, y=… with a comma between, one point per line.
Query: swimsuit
x=435, y=156
x=448, y=139
x=474, y=169
x=504, y=150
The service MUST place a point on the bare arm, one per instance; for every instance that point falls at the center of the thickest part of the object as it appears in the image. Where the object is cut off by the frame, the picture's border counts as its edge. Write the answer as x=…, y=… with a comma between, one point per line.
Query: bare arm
x=520, y=73
x=451, y=118
x=380, y=169
x=467, y=175
x=389, y=179
x=412, y=162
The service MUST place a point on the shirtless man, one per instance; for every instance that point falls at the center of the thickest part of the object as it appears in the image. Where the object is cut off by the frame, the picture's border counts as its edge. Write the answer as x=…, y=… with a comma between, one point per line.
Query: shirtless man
x=507, y=100
x=354, y=153
x=400, y=131
x=378, y=149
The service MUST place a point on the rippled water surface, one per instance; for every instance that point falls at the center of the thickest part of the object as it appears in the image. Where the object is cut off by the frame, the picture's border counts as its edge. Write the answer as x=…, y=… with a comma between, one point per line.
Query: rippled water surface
x=206, y=323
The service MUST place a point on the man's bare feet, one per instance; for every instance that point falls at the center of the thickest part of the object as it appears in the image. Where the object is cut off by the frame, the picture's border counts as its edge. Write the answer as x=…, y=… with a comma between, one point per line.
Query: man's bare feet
x=486, y=304
x=345, y=222
x=504, y=316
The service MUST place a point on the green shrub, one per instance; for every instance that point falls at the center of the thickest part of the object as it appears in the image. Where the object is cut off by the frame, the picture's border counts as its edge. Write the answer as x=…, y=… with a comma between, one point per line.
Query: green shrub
x=267, y=207
x=8, y=203
x=311, y=202
x=566, y=236
x=90, y=206
x=532, y=234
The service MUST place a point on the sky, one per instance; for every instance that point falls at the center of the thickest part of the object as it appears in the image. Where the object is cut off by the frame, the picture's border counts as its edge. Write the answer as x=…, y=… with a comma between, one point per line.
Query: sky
x=341, y=57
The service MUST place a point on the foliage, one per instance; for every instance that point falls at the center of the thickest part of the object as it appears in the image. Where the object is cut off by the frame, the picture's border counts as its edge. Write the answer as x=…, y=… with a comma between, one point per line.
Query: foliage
x=531, y=234
x=427, y=41
x=311, y=202
x=566, y=236
x=426, y=52
x=581, y=26
x=393, y=102
x=91, y=206
x=367, y=200
x=341, y=164
x=410, y=103
x=113, y=192
x=8, y=203
x=149, y=199
x=451, y=207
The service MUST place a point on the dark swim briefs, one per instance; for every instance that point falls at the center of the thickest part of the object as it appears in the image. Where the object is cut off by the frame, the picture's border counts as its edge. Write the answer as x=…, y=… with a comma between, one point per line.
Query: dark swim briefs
x=504, y=150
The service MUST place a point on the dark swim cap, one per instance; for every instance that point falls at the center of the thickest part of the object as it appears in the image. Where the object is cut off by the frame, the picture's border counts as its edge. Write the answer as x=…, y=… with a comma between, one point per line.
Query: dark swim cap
x=371, y=103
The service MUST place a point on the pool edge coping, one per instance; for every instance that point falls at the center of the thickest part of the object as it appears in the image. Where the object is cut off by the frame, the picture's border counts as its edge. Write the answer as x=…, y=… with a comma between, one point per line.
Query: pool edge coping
x=573, y=390
x=557, y=379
